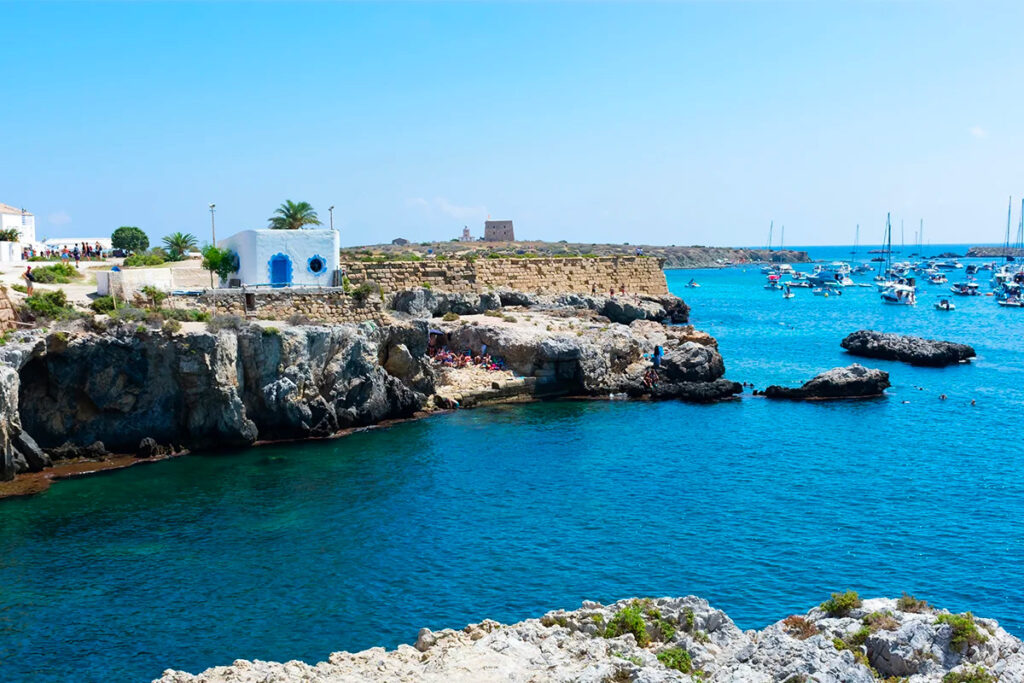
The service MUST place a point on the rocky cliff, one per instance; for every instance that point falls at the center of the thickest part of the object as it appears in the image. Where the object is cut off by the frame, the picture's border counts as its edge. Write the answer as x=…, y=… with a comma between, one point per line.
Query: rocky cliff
x=145, y=391
x=677, y=639
x=207, y=389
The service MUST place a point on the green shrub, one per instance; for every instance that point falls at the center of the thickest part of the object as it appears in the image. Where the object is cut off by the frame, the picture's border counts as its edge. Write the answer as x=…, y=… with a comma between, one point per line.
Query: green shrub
x=629, y=619
x=144, y=260
x=965, y=631
x=908, y=603
x=977, y=674
x=493, y=313
x=102, y=304
x=676, y=658
x=272, y=331
x=880, y=621
x=224, y=322
x=840, y=604
x=363, y=292
x=450, y=317
x=20, y=288
x=129, y=314
x=509, y=318
x=154, y=295
x=59, y=273
x=171, y=326
x=52, y=305
x=426, y=286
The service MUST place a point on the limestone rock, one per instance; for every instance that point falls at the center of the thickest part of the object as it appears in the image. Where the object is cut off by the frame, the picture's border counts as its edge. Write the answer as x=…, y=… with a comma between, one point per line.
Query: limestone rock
x=854, y=381
x=913, y=350
x=578, y=646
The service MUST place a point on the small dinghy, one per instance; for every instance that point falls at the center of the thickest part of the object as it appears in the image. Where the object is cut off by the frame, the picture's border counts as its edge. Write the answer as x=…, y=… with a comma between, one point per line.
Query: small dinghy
x=944, y=305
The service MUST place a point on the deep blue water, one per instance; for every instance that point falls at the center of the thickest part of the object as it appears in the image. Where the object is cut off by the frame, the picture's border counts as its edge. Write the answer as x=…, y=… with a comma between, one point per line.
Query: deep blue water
x=295, y=551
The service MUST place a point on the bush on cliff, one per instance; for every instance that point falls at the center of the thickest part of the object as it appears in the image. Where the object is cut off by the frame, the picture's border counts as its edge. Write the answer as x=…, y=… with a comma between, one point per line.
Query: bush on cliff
x=224, y=322
x=908, y=603
x=363, y=292
x=965, y=631
x=840, y=604
x=629, y=619
x=977, y=674
x=799, y=627
x=102, y=304
x=676, y=658
x=52, y=305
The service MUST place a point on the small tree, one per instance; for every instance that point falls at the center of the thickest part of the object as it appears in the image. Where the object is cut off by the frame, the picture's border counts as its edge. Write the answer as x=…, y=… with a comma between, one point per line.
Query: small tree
x=293, y=215
x=223, y=262
x=179, y=243
x=10, y=235
x=129, y=238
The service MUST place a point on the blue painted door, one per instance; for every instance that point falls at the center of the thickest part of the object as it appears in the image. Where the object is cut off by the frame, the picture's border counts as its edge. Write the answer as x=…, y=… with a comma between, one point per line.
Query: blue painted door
x=280, y=270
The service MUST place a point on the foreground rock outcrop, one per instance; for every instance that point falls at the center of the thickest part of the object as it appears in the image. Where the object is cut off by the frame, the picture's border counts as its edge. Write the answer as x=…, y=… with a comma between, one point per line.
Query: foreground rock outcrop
x=913, y=350
x=854, y=381
x=674, y=639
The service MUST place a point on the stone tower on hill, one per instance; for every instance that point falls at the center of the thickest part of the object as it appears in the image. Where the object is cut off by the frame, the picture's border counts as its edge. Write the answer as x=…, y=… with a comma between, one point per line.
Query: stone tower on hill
x=499, y=231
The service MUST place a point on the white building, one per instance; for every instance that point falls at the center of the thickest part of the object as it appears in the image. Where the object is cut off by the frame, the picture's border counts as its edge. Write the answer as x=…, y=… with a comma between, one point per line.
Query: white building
x=21, y=220
x=283, y=258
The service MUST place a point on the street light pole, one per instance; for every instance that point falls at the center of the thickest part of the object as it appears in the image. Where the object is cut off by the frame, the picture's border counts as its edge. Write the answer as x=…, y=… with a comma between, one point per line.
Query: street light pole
x=331, y=211
x=213, y=235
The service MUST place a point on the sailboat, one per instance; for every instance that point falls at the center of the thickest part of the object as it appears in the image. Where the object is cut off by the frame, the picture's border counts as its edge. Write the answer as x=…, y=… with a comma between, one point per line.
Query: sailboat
x=902, y=292
x=856, y=240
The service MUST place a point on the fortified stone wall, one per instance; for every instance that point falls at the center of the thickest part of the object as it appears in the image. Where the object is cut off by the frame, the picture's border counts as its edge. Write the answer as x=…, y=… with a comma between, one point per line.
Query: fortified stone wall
x=328, y=304
x=639, y=275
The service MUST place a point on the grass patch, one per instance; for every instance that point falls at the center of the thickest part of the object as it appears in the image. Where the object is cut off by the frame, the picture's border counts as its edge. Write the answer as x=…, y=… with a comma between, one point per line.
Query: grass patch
x=450, y=317
x=880, y=621
x=799, y=627
x=965, y=631
x=102, y=304
x=676, y=658
x=977, y=674
x=840, y=604
x=908, y=603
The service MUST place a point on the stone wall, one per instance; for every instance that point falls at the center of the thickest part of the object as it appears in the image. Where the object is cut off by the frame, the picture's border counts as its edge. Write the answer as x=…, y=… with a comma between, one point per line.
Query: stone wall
x=327, y=304
x=639, y=275
x=8, y=316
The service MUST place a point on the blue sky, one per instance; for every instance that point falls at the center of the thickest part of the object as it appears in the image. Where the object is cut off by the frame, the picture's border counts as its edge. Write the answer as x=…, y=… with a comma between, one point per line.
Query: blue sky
x=663, y=123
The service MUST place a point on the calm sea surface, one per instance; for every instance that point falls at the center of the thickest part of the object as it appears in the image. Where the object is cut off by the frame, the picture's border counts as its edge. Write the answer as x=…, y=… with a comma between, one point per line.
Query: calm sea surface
x=295, y=551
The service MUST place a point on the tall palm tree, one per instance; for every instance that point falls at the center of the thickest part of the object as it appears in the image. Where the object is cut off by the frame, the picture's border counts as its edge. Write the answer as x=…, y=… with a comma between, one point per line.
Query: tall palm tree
x=180, y=242
x=293, y=215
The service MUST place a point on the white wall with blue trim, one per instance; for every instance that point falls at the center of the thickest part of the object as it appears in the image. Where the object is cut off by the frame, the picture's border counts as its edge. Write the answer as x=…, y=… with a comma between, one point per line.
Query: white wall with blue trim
x=285, y=257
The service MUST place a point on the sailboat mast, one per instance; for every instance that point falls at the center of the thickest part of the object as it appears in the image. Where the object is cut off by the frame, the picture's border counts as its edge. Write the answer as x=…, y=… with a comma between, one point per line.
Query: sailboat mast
x=888, y=243
x=771, y=229
x=1006, y=242
x=920, y=238
x=1020, y=230
x=856, y=240
x=782, y=240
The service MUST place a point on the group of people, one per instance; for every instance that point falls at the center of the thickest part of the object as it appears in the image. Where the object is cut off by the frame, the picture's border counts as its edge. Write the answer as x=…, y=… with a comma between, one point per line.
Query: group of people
x=611, y=290
x=449, y=359
x=78, y=251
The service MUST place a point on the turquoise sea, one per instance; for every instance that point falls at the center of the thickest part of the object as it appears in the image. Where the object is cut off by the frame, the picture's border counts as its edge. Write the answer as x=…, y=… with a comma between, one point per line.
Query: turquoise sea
x=295, y=551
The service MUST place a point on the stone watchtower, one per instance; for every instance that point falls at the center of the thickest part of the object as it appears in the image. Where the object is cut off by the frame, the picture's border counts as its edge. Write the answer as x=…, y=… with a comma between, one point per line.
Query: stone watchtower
x=499, y=231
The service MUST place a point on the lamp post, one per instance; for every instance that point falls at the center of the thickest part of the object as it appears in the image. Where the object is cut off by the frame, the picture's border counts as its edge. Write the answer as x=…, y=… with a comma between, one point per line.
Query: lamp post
x=331, y=211
x=213, y=234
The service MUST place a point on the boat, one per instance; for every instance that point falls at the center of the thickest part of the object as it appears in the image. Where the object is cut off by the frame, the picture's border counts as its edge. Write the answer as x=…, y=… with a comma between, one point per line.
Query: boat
x=949, y=265
x=788, y=295
x=939, y=279
x=692, y=284
x=965, y=288
x=1011, y=303
x=945, y=305
x=827, y=290
x=899, y=295
x=773, y=282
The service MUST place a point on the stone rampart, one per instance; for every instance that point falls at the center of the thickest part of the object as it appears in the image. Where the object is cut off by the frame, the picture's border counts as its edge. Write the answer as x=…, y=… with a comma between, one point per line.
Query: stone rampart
x=637, y=274
x=327, y=304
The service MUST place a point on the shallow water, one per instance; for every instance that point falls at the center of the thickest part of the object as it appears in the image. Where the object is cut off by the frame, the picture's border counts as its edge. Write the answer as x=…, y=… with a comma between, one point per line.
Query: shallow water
x=295, y=551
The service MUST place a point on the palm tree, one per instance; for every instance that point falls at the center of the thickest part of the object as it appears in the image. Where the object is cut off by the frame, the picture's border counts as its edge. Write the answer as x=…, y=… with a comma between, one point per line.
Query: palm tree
x=293, y=215
x=180, y=242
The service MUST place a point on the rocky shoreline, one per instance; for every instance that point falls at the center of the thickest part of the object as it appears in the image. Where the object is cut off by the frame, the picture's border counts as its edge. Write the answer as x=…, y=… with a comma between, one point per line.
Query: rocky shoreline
x=74, y=397
x=844, y=640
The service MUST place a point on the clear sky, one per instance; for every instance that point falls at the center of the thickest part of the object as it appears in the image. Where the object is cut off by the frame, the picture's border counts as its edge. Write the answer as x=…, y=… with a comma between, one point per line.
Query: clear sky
x=664, y=123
